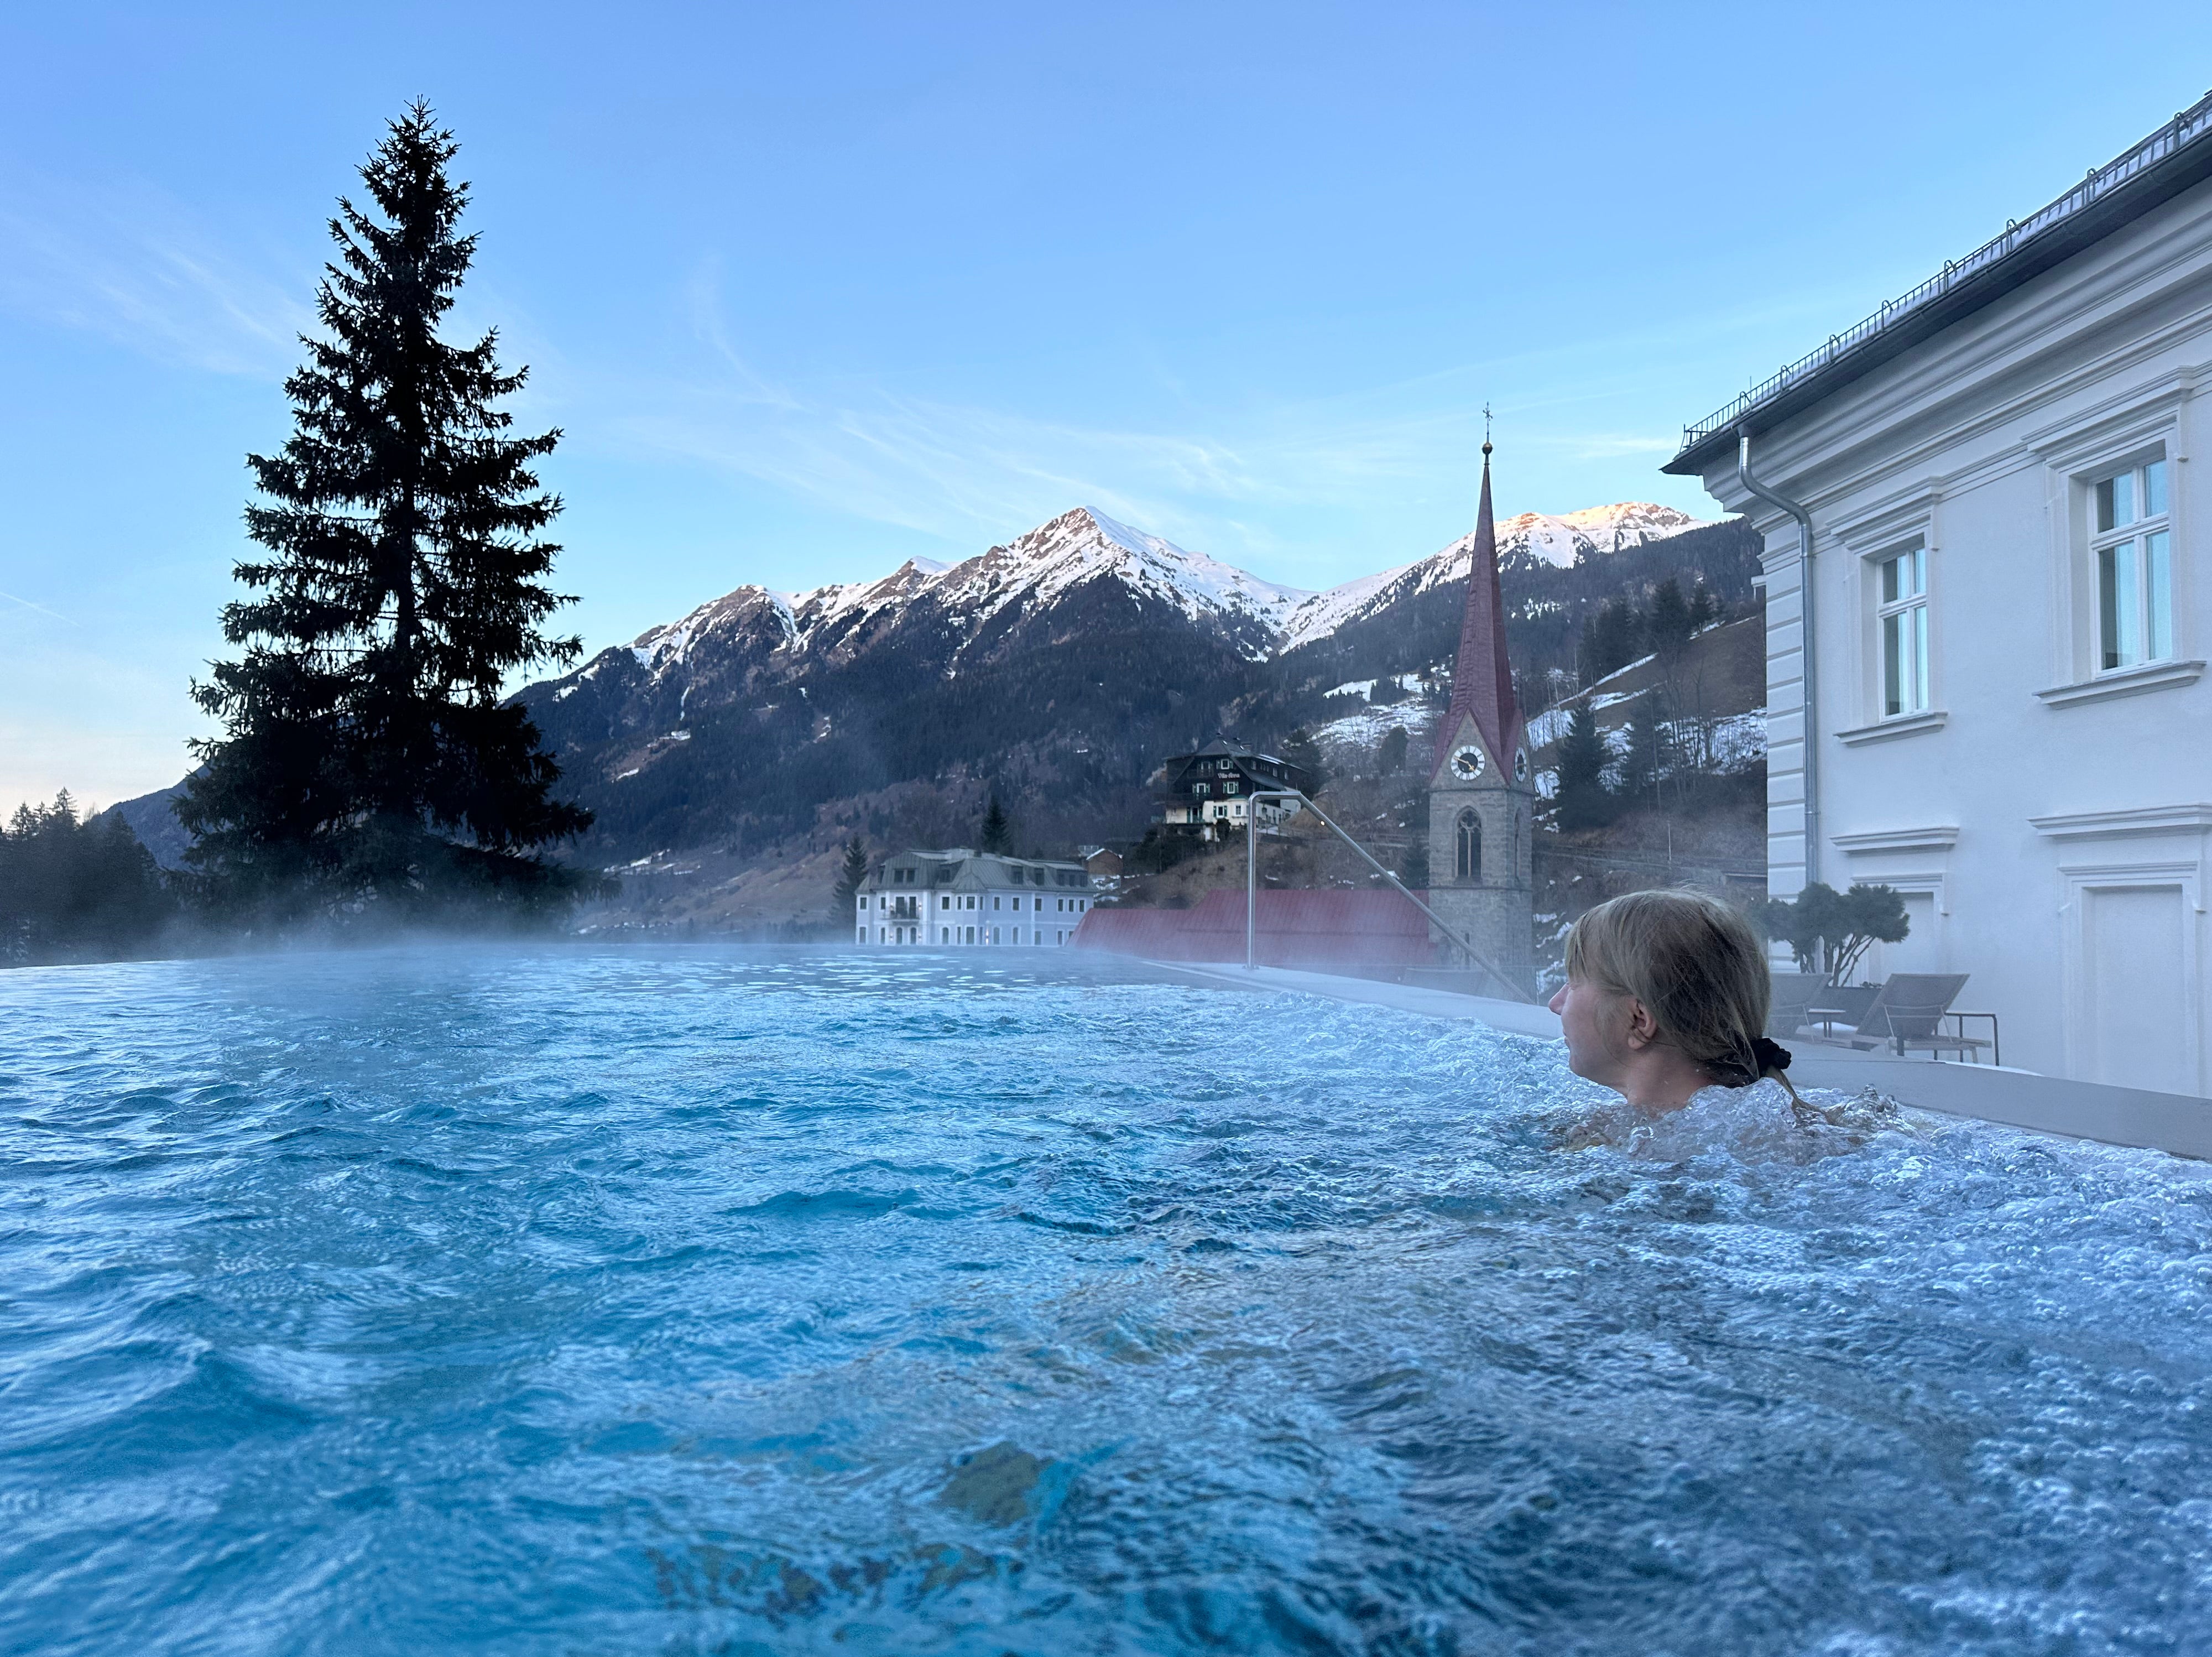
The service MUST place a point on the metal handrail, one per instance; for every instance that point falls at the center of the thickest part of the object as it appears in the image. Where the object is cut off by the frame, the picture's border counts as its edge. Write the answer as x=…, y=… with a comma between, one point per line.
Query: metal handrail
x=2185, y=127
x=1252, y=889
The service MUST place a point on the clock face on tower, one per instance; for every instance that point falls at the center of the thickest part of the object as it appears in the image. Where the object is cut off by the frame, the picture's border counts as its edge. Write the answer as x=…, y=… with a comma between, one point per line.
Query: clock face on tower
x=1520, y=765
x=1467, y=762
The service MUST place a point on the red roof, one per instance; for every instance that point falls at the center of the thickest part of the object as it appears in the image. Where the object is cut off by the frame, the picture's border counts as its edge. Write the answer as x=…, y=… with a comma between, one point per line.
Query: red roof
x=1316, y=929
x=1482, y=678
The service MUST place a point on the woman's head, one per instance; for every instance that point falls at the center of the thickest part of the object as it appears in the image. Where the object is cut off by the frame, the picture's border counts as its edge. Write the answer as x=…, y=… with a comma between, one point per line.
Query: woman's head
x=1665, y=979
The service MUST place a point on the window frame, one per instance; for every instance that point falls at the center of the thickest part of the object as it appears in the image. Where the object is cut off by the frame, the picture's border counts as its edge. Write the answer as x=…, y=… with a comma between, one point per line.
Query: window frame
x=1912, y=605
x=1466, y=846
x=2151, y=595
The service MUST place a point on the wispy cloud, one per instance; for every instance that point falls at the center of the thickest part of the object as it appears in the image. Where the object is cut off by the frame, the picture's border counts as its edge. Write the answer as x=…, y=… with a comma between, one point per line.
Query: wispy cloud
x=1230, y=481
x=136, y=267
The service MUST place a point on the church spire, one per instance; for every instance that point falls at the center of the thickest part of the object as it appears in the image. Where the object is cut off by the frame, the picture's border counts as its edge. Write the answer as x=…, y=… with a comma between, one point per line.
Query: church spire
x=1482, y=680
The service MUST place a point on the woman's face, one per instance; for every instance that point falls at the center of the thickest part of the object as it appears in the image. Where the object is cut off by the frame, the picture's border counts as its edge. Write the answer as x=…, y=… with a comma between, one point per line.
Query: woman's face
x=1595, y=1022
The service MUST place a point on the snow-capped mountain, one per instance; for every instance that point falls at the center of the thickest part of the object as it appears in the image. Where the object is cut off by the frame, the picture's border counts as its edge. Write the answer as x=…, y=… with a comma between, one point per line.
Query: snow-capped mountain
x=1034, y=569
x=980, y=597
x=1532, y=539
x=1559, y=541
x=1072, y=656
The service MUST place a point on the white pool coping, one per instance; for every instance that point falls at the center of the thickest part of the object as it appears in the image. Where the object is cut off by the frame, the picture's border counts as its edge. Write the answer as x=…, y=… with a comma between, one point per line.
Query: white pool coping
x=2179, y=1123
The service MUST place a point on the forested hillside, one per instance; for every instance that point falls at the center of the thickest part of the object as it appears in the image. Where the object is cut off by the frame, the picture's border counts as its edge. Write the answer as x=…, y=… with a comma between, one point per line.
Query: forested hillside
x=1058, y=671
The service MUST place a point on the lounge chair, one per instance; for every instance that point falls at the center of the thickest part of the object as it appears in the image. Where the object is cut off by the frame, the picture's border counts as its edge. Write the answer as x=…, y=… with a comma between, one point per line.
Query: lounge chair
x=1909, y=1012
x=1840, y=1003
x=1794, y=995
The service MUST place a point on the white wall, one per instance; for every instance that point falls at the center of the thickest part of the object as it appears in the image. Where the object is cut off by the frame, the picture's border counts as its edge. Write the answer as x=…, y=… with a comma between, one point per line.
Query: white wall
x=2048, y=825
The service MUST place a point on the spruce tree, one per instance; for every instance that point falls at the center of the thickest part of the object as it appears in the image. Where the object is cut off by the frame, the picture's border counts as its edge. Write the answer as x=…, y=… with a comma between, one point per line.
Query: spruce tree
x=367, y=760
x=997, y=834
x=1583, y=800
x=1671, y=622
x=1610, y=639
x=851, y=875
x=1645, y=761
x=75, y=888
x=1705, y=608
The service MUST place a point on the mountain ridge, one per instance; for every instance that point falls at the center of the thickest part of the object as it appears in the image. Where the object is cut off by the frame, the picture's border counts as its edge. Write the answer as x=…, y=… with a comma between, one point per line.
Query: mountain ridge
x=1084, y=544
x=1058, y=669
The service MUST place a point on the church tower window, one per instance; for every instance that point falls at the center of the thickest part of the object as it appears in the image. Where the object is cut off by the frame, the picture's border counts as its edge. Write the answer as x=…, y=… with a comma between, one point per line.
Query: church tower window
x=1468, y=864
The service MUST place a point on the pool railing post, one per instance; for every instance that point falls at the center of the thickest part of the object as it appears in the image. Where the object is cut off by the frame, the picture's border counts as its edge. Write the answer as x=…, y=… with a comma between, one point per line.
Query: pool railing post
x=1251, y=883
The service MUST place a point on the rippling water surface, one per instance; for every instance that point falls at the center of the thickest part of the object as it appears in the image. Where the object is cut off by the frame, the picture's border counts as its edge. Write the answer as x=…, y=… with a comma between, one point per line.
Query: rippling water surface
x=458, y=1301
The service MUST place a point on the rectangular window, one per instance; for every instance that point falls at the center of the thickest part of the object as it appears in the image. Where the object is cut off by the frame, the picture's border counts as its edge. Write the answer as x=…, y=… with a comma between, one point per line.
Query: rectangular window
x=1903, y=618
x=2131, y=543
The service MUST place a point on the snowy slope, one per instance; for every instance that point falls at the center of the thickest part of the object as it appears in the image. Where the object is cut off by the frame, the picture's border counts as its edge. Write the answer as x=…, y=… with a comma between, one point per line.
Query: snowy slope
x=1560, y=540
x=1034, y=568
x=1032, y=572
x=1533, y=536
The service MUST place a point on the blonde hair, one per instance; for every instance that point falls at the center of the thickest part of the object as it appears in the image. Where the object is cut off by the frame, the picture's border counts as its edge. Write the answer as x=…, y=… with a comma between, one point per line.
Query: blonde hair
x=1698, y=969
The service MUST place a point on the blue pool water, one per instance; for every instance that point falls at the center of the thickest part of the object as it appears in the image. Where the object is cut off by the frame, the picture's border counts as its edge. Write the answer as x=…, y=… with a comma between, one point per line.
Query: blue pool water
x=515, y=1301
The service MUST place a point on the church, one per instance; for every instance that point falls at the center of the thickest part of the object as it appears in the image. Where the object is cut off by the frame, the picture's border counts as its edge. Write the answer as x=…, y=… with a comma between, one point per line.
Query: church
x=1482, y=801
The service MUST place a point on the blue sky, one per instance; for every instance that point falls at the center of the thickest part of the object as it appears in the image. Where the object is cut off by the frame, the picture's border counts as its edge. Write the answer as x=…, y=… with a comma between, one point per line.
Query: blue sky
x=814, y=289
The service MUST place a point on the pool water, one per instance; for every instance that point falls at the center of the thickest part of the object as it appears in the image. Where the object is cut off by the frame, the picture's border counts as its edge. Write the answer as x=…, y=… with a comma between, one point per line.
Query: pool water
x=681, y=1302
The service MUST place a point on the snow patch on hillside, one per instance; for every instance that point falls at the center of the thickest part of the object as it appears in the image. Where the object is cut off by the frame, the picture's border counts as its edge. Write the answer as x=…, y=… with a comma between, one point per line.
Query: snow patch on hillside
x=1370, y=725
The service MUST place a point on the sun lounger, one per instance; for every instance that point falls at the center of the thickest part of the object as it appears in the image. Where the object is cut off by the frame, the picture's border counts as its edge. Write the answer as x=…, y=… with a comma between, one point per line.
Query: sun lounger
x=1840, y=1004
x=1908, y=1015
x=1794, y=995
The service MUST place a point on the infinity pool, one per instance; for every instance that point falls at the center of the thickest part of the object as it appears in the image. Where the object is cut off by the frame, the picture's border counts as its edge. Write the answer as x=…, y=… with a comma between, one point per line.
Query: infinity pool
x=531, y=1301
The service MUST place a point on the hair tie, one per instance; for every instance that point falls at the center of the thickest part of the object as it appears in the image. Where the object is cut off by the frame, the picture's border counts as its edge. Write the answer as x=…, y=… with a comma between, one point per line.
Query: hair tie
x=1770, y=1055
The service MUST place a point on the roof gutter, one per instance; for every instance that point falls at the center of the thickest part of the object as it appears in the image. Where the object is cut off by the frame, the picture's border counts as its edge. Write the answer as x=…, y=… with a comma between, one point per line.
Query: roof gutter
x=1807, y=680
x=2175, y=158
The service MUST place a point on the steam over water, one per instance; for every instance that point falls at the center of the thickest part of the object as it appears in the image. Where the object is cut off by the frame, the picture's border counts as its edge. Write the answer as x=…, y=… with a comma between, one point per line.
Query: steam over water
x=444, y=1301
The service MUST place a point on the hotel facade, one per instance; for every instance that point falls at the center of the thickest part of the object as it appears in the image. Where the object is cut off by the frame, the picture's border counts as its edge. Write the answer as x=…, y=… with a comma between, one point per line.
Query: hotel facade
x=963, y=900
x=1988, y=561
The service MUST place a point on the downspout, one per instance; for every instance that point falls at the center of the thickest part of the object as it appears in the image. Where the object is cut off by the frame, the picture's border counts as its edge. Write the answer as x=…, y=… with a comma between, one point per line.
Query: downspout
x=1812, y=705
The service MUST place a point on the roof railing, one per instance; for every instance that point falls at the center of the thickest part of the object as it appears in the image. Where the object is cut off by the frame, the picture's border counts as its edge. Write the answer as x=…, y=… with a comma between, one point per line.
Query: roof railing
x=2188, y=124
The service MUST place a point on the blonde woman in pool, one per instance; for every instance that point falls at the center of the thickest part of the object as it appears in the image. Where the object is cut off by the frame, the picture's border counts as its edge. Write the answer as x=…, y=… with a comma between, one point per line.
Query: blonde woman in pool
x=1667, y=996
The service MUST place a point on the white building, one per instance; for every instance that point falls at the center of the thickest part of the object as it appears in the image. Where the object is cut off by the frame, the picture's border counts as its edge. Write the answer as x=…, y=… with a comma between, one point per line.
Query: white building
x=2000, y=485
x=971, y=899
x=1211, y=789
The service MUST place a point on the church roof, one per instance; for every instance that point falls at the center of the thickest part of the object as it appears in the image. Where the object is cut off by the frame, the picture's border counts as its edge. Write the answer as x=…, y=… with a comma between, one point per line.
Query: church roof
x=1482, y=678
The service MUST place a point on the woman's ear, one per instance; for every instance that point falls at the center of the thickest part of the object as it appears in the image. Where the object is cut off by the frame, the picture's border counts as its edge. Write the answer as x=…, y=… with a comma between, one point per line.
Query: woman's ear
x=1643, y=1028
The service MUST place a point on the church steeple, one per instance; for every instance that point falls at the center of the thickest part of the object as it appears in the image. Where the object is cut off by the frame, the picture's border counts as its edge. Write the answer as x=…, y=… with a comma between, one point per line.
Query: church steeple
x=1482, y=678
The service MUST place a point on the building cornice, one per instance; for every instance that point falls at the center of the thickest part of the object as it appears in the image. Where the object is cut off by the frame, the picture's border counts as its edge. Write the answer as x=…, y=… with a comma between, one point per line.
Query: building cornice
x=2193, y=818
x=2127, y=681
x=1940, y=839
x=1889, y=730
